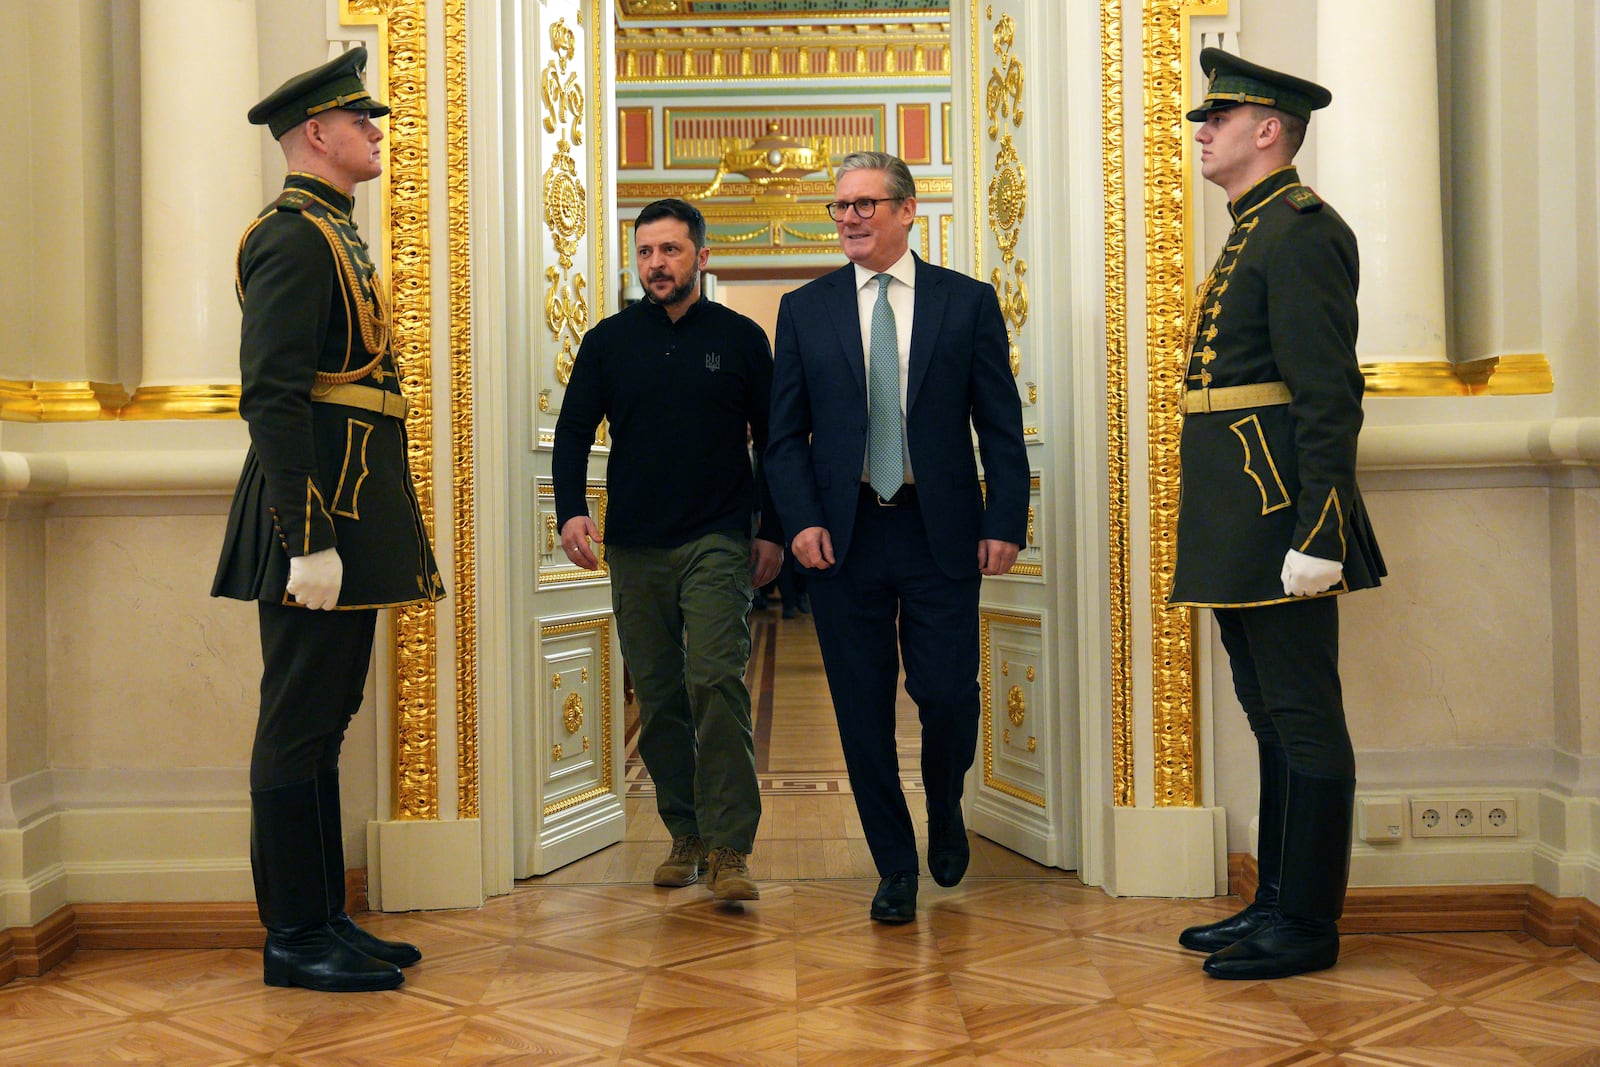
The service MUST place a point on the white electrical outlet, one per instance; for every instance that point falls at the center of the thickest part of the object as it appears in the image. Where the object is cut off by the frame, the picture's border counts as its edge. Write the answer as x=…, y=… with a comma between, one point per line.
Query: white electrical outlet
x=1429, y=818
x=1463, y=817
x=1499, y=817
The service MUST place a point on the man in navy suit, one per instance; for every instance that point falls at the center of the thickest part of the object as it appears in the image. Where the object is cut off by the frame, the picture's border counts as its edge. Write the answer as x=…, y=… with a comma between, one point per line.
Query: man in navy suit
x=883, y=370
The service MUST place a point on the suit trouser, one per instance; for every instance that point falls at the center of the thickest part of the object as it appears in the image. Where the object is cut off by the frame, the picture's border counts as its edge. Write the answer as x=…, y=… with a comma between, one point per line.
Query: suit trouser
x=889, y=586
x=683, y=616
x=313, y=673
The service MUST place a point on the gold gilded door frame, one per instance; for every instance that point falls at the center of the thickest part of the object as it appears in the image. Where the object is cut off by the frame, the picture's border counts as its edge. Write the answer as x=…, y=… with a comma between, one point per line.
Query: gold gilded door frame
x=1165, y=59
x=402, y=58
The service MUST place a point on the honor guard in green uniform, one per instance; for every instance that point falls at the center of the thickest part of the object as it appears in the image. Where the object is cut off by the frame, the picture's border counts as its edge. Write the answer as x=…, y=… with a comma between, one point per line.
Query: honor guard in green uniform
x=1271, y=526
x=325, y=527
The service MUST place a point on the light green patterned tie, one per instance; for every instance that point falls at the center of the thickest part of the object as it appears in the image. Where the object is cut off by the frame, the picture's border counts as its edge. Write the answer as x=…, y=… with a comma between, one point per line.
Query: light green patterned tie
x=885, y=455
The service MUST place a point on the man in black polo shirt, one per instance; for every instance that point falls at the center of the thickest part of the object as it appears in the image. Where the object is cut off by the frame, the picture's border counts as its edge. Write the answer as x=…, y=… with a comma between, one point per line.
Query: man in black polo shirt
x=684, y=382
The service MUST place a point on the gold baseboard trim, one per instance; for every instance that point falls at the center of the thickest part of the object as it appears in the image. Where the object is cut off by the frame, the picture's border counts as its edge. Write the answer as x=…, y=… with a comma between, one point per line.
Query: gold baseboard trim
x=182, y=402
x=77, y=401
x=1515, y=375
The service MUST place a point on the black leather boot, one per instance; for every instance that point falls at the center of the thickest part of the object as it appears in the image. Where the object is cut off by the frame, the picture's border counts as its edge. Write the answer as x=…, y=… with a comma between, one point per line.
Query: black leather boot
x=1263, y=910
x=1316, y=870
x=399, y=953
x=286, y=857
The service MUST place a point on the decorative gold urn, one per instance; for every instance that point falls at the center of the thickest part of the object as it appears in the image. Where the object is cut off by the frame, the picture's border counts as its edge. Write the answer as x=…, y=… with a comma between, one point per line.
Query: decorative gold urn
x=775, y=164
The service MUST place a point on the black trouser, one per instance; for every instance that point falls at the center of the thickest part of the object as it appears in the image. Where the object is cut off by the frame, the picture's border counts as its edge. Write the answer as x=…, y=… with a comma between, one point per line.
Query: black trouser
x=888, y=591
x=313, y=672
x=1285, y=660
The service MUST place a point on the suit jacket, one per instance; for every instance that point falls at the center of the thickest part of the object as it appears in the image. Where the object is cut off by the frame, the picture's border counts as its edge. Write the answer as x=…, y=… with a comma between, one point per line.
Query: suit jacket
x=1279, y=306
x=319, y=474
x=959, y=381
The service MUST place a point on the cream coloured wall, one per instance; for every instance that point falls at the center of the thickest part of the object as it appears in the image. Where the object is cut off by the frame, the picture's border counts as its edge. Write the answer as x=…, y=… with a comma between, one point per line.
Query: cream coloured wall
x=24, y=720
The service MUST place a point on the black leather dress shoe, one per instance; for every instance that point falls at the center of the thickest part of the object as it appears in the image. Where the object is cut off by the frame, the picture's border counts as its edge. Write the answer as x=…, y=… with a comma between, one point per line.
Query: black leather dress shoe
x=896, y=898
x=948, y=851
x=1214, y=937
x=1288, y=947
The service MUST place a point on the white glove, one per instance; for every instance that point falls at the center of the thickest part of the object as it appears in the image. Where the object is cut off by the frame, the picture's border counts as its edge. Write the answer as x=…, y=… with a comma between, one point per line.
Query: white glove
x=1305, y=575
x=314, y=580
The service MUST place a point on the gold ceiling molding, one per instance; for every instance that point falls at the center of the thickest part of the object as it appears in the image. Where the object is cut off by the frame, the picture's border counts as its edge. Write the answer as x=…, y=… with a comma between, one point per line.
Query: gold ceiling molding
x=720, y=55
x=771, y=10
x=1119, y=510
x=637, y=194
x=402, y=55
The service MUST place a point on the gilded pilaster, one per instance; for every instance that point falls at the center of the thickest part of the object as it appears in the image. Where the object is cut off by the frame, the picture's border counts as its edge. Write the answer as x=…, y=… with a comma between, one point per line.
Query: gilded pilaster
x=1166, y=58
x=1116, y=304
x=462, y=459
x=402, y=52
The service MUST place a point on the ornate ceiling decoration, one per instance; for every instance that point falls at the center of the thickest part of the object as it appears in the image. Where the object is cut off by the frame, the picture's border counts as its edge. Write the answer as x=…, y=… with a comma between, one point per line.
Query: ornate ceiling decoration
x=764, y=12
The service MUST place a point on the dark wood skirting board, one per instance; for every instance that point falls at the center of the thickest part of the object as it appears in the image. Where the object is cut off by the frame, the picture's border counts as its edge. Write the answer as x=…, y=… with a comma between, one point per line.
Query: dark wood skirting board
x=1560, y=921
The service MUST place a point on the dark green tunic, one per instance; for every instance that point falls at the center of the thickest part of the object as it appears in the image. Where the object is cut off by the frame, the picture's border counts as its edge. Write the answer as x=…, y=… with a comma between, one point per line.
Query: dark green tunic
x=319, y=475
x=1278, y=306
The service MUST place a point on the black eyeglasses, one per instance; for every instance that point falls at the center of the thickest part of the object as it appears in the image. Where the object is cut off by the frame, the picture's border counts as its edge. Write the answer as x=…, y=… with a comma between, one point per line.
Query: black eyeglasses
x=866, y=207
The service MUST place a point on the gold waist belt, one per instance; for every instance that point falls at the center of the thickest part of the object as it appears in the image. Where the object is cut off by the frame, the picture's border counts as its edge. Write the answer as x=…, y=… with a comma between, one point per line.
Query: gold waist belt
x=1234, y=397
x=365, y=397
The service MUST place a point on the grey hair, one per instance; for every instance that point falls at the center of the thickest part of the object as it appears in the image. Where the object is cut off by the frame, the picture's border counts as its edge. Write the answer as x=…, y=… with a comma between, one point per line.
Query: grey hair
x=901, y=184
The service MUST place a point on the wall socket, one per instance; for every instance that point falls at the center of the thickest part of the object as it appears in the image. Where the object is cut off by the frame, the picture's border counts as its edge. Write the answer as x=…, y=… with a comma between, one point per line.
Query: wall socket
x=1463, y=817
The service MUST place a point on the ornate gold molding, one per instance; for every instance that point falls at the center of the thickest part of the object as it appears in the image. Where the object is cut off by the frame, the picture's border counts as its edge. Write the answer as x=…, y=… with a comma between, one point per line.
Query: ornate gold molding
x=180, y=402
x=1166, y=58
x=402, y=55
x=722, y=55
x=1114, y=188
x=83, y=401
x=462, y=458
x=1015, y=705
x=1008, y=189
x=601, y=628
x=1515, y=375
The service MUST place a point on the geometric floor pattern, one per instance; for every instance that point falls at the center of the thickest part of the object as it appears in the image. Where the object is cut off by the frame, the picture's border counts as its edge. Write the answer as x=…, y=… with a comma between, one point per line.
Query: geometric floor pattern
x=995, y=971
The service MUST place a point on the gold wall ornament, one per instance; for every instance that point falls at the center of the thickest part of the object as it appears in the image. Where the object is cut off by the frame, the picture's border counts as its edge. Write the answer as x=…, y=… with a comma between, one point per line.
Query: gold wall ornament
x=1119, y=509
x=774, y=163
x=402, y=57
x=987, y=621
x=555, y=752
x=555, y=680
x=1008, y=186
x=1016, y=705
x=572, y=712
x=599, y=630
x=566, y=200
x=1033, y=744
x=564, y=570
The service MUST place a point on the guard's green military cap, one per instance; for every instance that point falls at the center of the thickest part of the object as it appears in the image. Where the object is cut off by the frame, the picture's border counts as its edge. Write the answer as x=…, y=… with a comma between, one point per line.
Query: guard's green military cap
x=1233, y=81
x=337, y=83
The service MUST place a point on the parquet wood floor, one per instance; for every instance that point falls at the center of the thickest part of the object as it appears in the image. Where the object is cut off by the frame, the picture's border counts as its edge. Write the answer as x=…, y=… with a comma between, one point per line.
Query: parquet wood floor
x=995, y=971
x=1018, y=965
